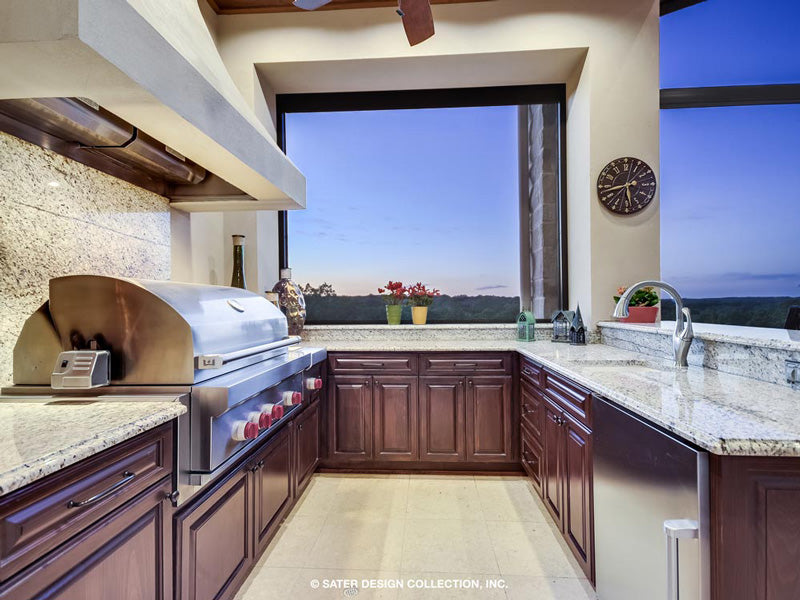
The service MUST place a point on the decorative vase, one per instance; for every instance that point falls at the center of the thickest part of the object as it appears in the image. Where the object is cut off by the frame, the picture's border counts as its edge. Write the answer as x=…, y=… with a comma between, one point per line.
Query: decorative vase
x=419, y=315
x=394, y=312
x=291, y=302
x=237, y=278
x=641, y=314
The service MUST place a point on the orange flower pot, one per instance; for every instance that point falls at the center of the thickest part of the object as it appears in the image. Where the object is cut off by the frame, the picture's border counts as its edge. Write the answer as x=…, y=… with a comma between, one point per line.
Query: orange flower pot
x=641, y=314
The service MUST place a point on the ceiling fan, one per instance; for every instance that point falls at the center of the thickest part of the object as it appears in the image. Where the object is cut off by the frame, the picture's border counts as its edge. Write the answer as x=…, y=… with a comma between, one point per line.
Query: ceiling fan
x=416, y=15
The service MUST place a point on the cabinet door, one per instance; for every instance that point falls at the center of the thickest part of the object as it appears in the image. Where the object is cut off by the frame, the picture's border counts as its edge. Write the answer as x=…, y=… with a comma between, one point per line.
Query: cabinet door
x=441, y=422
x=489, y=419
x=532, y=459
x=553, y=448
x=272, y=469
x=214, y=543
x=394, y=408
x=308, y=445
x=578, y=491
x=531, y=409
x=350, y=418
x=126, y=555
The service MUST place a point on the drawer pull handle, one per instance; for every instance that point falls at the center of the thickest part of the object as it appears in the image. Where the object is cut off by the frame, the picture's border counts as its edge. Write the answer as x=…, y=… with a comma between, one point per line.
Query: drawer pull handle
x=127, y=477
x=527, y=371
x=465, y=365
x=371, y=364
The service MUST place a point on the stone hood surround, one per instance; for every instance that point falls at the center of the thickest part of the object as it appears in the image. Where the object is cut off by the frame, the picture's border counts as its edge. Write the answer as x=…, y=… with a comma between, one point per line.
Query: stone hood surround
x=154, y=64
x=722, y=413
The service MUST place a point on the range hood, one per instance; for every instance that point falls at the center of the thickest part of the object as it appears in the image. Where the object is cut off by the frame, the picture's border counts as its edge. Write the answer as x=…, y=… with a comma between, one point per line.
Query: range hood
x=154, y=65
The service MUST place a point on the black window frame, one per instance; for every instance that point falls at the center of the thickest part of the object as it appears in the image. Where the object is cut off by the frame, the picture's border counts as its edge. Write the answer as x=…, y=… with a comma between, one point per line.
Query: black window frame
x=516, y=95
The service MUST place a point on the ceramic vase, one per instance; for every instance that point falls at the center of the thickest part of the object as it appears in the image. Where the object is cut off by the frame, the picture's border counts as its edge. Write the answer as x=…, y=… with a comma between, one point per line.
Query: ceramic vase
x=641, y=314
x=291, y=302
x=419, y=315
x=394, y=312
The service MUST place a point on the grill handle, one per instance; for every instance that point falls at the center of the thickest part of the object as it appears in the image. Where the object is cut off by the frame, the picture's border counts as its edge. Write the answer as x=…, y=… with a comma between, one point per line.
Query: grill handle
x=216, y=361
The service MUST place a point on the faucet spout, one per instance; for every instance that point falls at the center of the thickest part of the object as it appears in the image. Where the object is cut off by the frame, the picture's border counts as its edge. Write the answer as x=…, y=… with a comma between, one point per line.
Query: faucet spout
x=684, y=334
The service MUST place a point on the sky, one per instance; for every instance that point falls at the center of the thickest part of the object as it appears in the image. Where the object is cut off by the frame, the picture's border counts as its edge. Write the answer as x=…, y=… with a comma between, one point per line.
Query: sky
x=730, y=177
x=432, y=195
x=411, y=195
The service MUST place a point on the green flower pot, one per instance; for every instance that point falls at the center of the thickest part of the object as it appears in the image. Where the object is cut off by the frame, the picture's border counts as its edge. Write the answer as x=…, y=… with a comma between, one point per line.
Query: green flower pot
x=394, y=312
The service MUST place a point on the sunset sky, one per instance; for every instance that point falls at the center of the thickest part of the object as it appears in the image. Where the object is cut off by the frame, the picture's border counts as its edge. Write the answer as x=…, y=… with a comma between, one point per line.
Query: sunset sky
x=432, y=195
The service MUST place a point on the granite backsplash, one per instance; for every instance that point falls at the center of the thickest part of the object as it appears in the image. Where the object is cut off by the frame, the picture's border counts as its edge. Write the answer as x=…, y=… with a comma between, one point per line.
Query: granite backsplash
x=59, y=217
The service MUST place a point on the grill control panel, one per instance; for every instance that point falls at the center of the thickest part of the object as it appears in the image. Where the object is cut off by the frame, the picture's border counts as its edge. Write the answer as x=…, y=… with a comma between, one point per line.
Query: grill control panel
x=81, y=369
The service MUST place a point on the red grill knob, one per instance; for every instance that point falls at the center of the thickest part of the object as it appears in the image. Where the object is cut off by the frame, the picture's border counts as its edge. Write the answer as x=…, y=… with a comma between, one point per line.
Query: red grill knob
x=244, y=430
x=292, y=398
x=275, y=411
x=314, y=383
x=265, y=420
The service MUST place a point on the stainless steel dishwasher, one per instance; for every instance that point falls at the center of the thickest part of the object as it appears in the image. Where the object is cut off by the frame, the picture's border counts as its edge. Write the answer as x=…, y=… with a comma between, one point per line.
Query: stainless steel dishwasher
x=651, y=504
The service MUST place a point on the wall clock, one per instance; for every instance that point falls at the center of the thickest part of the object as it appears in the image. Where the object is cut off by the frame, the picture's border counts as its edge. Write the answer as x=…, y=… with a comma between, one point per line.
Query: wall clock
x=626, y=185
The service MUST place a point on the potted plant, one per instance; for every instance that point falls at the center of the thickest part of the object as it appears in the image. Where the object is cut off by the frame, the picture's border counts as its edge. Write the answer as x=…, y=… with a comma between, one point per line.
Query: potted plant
x=420, y=298
x=394, y=295
x=643, y=307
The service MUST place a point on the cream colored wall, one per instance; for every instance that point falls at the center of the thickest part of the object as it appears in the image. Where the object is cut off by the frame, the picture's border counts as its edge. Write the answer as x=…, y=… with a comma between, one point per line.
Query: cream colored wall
x=612, y=107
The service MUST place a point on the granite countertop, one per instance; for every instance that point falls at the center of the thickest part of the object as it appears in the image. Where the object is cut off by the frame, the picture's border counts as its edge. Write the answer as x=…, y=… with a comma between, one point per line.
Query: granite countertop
x=725, y=414
x=39, y=437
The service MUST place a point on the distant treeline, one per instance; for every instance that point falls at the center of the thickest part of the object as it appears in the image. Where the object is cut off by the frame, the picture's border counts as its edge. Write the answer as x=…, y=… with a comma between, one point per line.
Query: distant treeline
x=753, y=312
x=331, y=310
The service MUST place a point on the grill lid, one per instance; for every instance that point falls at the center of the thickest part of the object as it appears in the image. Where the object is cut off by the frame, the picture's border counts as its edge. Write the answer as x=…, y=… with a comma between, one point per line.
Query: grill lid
x=156, y=331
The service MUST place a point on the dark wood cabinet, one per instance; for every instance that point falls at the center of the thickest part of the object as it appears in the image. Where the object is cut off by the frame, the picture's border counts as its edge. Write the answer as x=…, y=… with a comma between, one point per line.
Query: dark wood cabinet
x=126, y=555
x=350, y=418
x=488, y=419
x=531, y=409
x=442, y=423
x=553, y=462
x=532, y=459
x=272, y=488
x=214, y=541
x=578, y=504
x=755, y=511
x=307, y=446
x=394, y=410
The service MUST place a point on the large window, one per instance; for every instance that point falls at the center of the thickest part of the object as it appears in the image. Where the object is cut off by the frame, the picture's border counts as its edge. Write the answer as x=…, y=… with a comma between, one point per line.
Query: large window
x=438, y=195
x=730, y=193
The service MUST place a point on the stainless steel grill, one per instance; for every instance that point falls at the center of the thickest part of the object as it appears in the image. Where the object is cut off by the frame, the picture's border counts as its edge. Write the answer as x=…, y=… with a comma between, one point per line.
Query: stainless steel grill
x=226, y=350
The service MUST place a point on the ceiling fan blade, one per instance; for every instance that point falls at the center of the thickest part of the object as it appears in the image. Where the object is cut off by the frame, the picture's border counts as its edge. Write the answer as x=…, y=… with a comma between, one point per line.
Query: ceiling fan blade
x=310, y=4
x=417, y=20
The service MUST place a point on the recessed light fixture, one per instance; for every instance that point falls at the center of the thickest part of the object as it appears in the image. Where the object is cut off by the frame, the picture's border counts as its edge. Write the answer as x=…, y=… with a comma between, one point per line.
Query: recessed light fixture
x=53, y=183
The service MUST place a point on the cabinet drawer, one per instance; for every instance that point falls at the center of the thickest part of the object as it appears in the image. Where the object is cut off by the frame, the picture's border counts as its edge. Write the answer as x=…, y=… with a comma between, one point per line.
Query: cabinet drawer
x=531, y=412
x=40, y=516
x=531, y=372
x=484, y=363
x=386, y=364
x=571, y=397
x=531, y=458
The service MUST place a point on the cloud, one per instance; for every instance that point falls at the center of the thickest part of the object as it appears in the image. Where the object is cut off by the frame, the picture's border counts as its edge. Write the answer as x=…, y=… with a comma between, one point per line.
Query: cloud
x=497, y=286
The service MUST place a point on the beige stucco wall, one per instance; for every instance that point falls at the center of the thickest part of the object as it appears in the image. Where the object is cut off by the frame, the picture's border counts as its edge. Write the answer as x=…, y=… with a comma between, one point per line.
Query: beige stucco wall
x=612, y=105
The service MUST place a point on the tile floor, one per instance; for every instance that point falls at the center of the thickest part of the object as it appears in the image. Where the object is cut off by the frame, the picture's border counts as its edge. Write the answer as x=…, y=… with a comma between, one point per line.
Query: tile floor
x=417, y=530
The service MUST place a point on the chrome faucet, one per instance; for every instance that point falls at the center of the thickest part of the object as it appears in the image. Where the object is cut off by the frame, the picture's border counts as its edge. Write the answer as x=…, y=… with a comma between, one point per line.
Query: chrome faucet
x=683, y=336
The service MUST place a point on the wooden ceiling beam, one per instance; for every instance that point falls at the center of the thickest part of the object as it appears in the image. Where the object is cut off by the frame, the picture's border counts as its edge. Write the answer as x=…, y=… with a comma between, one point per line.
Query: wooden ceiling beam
x=238, y=7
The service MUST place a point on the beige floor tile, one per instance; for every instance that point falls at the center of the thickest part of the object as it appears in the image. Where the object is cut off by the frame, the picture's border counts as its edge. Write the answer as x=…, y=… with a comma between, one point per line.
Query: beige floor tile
x=548, y=588
x=433, y=586
x=358, y=543
x=448, y=546
x=318, y=497
x=294, y=541
x=269, y=583
x=443, y=498
x=532, y=549
x=509, y=499
x=372, y=498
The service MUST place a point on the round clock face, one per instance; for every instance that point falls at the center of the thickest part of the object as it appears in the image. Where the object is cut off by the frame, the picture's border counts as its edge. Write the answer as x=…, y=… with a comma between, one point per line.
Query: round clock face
x=626, y=185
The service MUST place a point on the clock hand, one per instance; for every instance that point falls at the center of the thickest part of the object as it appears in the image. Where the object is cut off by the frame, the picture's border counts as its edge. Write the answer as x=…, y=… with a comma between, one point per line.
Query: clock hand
x=628, y=192
x=617, y=187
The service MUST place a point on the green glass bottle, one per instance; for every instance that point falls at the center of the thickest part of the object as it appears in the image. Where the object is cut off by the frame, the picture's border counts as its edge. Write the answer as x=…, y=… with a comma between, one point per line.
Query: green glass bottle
x=237, y=280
